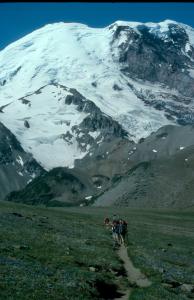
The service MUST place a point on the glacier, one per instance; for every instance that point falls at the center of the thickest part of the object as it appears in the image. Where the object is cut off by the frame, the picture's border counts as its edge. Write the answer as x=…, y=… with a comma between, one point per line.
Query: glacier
x=79, y=57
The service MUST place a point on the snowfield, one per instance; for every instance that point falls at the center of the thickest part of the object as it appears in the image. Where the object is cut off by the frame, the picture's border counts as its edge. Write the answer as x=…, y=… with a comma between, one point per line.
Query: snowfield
x=78, y=57
x=49, y=118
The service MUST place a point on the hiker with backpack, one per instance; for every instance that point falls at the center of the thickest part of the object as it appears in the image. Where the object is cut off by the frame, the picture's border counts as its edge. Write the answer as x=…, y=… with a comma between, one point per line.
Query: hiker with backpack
x=115, y=233
x=120, y=232
x=124, y=232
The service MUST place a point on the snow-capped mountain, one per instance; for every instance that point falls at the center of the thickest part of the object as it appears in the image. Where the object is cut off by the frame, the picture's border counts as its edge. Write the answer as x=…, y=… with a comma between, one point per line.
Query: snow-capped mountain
x=136, y=78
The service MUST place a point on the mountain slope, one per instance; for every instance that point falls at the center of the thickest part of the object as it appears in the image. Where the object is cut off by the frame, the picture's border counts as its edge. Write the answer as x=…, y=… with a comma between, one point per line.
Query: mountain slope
x=102, y=103
x=59, y=187
x=160, y=173
x=139, y=75
x=17, y=168
x=59, y=125
x=157, y=172
x=155, y=184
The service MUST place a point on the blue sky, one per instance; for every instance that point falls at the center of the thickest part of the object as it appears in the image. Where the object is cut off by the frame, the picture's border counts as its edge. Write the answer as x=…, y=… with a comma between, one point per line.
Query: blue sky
x=18, y=19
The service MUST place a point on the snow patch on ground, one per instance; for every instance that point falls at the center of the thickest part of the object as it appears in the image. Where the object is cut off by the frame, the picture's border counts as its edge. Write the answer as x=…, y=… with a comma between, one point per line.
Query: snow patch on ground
x=19, y=160
x=94, y=134
x=181, y=148
x=187, y=47
x=88, y=197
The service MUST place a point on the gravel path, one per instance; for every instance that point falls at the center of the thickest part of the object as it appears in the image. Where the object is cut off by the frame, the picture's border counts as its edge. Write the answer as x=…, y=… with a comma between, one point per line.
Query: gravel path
x=135, y=277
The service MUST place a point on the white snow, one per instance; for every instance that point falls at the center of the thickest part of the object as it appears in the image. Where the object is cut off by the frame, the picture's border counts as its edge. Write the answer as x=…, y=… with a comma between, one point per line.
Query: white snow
x=88, y=197
x=181, y=147
x=190, y=31
x=187, y=47
x=47, y=116
x=100, y=141
x=19, y=160
x=73, y=55
x=123, y=38
x=80, y=134
x=131, y=152
x=159, y=28
x=126, y=23
x=191, y=72
x=94, y=134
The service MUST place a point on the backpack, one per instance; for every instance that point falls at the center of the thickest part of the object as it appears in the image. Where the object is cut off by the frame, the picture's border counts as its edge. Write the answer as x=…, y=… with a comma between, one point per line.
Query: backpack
x=125, y=227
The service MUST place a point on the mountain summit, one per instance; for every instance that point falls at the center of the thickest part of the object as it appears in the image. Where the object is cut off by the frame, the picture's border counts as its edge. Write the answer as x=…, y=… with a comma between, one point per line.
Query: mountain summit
x=66, y=88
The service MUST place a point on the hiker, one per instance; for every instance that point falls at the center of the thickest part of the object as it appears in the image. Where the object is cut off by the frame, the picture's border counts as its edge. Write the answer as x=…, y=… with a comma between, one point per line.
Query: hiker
x=120, y=232
x=124, y=233
x=107, y=222
x=115, y=231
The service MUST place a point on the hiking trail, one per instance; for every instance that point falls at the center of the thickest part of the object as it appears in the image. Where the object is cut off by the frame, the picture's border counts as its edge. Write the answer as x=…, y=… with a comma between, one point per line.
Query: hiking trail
x=134, y=275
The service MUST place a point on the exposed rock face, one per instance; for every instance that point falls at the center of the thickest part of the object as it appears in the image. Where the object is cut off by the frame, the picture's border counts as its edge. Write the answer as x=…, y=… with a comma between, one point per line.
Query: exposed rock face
x=96, y=120
x=147, y=55
x=158, y=59
x=16, y=166
x=177, y=108
x=103, y=126
x=26, y=124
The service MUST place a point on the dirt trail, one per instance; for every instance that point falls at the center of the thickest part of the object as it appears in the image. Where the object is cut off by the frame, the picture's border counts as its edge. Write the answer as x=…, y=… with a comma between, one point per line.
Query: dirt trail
x=135, y=277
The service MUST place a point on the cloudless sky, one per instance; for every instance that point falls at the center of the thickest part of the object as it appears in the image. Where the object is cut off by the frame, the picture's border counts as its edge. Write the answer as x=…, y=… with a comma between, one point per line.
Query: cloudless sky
x=18, y=19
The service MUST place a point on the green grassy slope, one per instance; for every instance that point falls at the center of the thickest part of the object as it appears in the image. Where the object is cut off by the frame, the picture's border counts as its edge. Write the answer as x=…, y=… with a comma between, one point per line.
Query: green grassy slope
x=161, y=245
x=47, y=253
